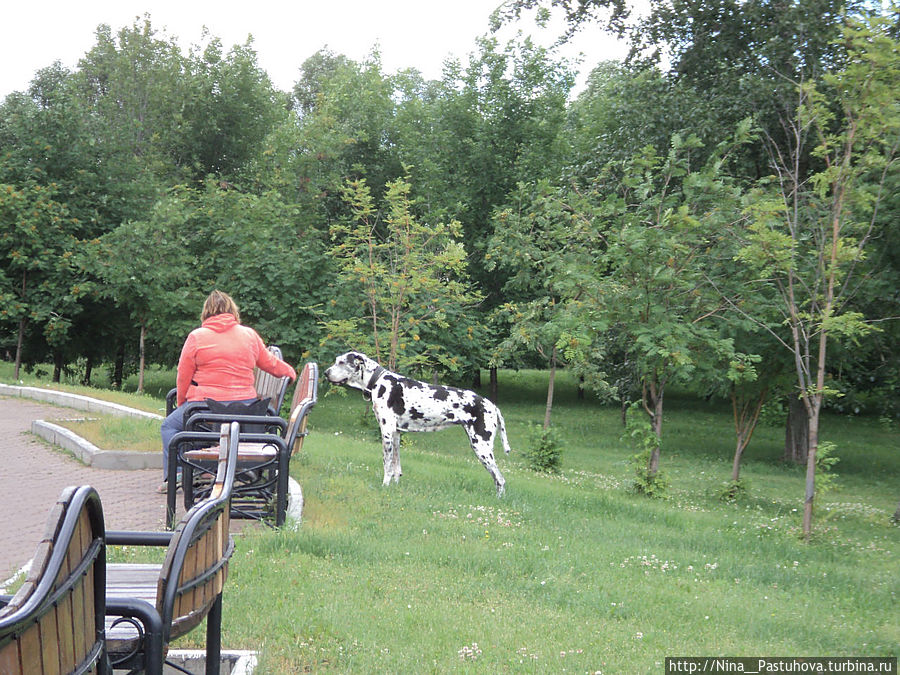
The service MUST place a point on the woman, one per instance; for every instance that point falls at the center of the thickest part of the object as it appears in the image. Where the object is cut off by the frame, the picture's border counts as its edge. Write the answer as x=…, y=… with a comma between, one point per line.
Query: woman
x=217, y=363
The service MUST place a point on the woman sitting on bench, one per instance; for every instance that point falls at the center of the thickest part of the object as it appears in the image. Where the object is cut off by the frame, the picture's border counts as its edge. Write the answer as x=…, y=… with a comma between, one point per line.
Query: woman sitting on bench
x=217, y=363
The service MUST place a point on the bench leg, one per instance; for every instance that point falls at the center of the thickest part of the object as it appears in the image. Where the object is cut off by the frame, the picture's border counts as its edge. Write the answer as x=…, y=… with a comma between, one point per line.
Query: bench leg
x=214, y=637
x=171, y=488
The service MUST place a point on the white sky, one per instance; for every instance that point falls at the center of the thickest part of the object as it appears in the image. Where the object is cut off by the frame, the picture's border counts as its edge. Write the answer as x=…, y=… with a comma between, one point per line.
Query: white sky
x=409, y=33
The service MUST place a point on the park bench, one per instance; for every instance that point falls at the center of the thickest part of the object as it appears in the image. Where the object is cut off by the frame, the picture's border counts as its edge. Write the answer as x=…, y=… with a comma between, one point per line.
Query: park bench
x=148, y=605
x=261, y=483
x=55, y=622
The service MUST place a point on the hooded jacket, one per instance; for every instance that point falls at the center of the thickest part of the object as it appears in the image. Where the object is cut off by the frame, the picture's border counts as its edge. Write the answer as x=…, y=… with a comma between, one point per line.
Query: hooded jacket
x=218, y=359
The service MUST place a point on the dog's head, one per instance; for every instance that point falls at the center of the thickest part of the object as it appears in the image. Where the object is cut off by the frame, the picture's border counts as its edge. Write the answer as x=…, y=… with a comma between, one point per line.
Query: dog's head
x=352, y=369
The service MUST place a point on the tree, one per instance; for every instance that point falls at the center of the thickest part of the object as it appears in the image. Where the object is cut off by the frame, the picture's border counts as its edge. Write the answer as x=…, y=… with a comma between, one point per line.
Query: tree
x=535, y=240
x=656, y=218
x=144, y=265
x=409, y=275
x=808, y=234
x=226, y=108
x=36, y=249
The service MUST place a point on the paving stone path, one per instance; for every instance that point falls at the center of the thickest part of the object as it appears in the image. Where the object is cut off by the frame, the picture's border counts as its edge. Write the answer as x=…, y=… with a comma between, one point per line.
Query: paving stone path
x=33, y=473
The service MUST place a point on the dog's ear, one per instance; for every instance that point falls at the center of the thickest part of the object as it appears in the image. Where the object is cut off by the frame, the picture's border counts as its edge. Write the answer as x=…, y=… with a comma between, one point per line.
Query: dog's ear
x=355, y=361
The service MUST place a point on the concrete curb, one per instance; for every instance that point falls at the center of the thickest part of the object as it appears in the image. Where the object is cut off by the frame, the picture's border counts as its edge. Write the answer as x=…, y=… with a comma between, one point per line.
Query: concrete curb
x=77, y=401
x=90, y=454
x=238, y=662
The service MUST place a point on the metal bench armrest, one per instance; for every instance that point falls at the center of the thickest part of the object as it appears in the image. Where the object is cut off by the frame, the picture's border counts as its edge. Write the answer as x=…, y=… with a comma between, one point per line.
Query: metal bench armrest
x=136, y=538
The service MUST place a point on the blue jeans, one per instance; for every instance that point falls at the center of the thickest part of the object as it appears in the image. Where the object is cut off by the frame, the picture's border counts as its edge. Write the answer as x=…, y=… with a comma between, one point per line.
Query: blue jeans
x=174, y=423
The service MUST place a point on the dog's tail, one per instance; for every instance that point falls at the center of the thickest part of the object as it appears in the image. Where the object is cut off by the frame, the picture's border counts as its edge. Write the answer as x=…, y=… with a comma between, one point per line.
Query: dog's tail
x=502, y=426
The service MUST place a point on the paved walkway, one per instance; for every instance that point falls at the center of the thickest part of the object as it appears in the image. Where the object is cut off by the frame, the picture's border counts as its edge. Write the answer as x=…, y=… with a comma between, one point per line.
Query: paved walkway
x=33, y=473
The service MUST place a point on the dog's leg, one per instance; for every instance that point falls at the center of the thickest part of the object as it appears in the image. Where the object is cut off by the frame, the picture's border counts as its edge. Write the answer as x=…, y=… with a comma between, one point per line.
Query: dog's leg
x=484, y=451
x=395, y=467
x=502, y=428
x=390, y=440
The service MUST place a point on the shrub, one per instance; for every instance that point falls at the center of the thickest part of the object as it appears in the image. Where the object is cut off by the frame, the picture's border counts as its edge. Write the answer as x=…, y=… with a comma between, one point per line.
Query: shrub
x=646, y=483
x=825, y=461
x=544, y=451
x=733, y=490
x=639, y=435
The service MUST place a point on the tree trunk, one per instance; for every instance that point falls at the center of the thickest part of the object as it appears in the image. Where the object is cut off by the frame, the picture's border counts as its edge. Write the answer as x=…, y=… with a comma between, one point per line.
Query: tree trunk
x=796, y=432
x=746, y=415
x=550, y=387
x=653, y=404
x=476, y=379
x=811, y=469
x=581, y=388
x=492, y=387
x=21, y=339
x=656, y=423
x=896, y=517
x=88, y=368
x=140, y=387
x=57, y=366
x=119, y=371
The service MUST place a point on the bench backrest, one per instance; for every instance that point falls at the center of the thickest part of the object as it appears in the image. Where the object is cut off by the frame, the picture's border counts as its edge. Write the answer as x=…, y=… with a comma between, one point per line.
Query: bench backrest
x=54, y=623
x=270, y=386
x=196, y=564
x=305, y=396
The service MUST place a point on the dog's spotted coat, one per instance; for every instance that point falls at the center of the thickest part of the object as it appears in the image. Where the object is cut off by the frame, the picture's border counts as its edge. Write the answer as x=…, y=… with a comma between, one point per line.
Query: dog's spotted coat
x=402, y=404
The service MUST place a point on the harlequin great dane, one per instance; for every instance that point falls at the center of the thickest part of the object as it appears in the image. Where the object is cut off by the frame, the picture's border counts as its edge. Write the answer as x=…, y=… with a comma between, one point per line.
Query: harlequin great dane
x=402, y=404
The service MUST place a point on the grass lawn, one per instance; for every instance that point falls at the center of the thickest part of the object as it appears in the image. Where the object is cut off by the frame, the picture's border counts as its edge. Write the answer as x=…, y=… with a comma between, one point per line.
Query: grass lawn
x=567, y=573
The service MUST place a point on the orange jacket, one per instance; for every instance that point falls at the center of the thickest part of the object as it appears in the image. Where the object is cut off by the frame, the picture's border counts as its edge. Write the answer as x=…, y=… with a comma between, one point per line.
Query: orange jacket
x=218, y=358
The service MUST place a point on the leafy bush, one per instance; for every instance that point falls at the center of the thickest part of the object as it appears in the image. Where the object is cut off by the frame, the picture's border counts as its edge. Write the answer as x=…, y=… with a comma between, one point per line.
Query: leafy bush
x=825, y=461
x=639, y=435
x=646, y=483
x=733, y=490
x=544, y=451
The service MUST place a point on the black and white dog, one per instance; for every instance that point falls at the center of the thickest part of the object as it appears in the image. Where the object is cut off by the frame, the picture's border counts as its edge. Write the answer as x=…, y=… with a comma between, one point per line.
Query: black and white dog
x=402, y=404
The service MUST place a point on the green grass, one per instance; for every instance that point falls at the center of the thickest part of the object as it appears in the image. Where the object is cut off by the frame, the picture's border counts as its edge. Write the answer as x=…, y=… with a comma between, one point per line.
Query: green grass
x=568, y=573
x=41, y=378
x=571, y=573
x=109, y=432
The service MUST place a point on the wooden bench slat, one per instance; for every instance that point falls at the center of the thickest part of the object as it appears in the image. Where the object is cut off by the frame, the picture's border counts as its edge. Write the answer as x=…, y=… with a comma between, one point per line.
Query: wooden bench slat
x=49, y=626
x=66, y=635
x=9, y=659
x=30, y=648
x=246, y=452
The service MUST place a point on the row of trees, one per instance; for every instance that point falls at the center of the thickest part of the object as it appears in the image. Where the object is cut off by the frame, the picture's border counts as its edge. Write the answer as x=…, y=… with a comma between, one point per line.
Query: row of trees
x=728, y=221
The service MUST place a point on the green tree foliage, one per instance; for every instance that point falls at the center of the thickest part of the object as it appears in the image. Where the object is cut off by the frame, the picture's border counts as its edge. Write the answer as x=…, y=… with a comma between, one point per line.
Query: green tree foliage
x=36, y=248
x=655, y=221
x=406, y=277
x=537, y=238
x=144, y=265
x=807, y=236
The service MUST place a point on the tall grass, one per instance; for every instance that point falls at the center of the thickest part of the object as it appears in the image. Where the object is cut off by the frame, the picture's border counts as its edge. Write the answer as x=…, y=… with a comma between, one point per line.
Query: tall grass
x=569, y=572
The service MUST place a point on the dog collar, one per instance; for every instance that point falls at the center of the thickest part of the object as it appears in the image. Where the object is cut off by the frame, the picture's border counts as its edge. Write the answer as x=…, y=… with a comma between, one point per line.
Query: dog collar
x=378, y=371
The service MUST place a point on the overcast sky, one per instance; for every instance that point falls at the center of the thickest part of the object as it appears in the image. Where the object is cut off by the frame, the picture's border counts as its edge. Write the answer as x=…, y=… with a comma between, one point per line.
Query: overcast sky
x=409, y=33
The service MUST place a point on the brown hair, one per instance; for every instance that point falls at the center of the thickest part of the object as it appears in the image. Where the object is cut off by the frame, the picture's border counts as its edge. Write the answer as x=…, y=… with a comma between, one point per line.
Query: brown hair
x=219, y=303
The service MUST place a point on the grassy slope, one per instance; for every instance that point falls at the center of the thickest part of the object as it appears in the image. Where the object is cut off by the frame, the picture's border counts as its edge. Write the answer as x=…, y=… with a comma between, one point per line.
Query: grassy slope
x=570, y=573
